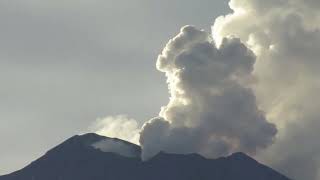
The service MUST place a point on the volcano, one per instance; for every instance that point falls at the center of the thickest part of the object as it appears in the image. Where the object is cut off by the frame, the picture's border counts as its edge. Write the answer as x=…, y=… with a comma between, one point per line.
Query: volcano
x=94, y=157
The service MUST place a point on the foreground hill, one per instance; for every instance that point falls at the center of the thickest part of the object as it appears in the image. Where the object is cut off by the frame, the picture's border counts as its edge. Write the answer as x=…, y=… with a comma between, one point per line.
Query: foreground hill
x=94, y=157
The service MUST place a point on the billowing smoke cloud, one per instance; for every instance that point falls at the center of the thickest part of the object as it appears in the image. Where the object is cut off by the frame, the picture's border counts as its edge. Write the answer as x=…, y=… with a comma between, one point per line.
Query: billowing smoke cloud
x=285, y=36
x=212, y=109
x=119, y=126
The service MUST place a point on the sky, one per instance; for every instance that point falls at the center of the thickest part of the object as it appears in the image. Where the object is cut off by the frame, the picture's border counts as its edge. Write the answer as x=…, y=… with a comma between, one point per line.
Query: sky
x=207, y=77
x=65, y=64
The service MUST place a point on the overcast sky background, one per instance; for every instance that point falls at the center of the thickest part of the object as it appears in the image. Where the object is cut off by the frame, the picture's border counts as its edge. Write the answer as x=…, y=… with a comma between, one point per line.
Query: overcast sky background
x=63, y=64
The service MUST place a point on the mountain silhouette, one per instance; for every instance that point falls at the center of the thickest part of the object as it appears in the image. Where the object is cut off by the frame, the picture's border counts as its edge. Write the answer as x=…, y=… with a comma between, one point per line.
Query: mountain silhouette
x=94, y=157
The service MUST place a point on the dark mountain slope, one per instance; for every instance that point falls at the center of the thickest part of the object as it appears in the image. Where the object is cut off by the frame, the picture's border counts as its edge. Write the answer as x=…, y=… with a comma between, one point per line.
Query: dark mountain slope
x=78, y=159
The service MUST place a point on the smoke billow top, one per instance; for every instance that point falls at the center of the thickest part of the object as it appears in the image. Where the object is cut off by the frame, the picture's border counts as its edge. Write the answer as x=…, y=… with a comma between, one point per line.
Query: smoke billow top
x=251, y=85
x=212, y=109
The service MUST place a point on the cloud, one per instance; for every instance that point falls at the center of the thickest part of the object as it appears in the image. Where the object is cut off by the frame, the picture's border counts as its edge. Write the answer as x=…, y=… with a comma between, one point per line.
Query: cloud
x=119, y=126
x=116, y=146
x=212, y=109
x=285, y=37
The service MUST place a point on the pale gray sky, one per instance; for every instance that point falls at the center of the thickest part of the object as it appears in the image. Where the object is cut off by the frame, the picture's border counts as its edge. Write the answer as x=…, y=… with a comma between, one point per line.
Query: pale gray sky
x=64, y=64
